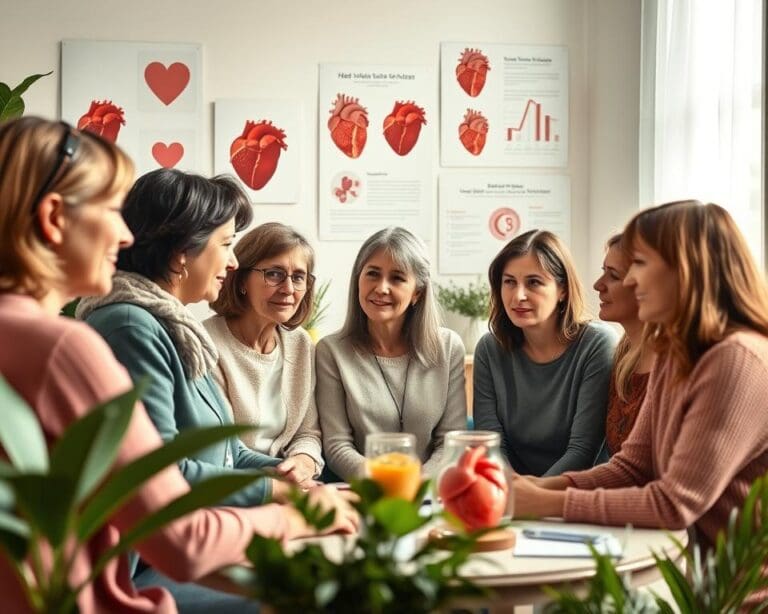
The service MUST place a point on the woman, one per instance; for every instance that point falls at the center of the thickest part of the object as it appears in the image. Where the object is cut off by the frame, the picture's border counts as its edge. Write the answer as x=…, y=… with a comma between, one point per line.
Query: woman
x=633, y=360
x=391, y=367
x=702, y=436
x=266, y=360
x=541, y=375
x=61, y=192
x=184, y=227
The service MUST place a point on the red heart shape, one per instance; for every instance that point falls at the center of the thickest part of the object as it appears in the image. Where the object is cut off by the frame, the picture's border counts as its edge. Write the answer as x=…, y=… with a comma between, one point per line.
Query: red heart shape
x=167, y=156
x=166, y=83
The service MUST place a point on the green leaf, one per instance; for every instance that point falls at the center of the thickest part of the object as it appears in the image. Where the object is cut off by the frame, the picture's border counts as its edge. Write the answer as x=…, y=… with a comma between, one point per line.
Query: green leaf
x=87, y=450
x=398, y=516
x=24, y=85
x=678, y=586
x=20, y=434
x=14, y=536
x=124, y=482
x=12, y=107
x=46, y=503
x=203, y=494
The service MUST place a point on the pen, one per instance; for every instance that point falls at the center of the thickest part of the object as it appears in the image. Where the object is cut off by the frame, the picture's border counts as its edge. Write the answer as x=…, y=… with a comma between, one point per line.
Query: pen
x=561, y=536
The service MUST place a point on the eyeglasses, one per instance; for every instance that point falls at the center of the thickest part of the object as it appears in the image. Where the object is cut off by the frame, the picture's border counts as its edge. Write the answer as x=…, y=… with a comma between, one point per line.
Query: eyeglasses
x=65, y=152
x=277, y=277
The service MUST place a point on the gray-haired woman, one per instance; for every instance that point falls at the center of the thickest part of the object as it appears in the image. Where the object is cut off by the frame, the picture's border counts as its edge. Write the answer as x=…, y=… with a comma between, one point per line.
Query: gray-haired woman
x=391, y=367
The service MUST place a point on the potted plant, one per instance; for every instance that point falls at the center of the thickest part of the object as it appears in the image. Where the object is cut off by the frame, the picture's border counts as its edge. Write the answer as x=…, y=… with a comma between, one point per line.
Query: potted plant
x=319, y=308
x=11, y=102
x=376, y=573
x=79, y=498
x=718, y=583
x=466, y=310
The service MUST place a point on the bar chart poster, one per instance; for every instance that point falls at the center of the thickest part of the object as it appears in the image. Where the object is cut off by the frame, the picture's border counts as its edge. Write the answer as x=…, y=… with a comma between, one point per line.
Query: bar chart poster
x=503, y=105
x=479, y=214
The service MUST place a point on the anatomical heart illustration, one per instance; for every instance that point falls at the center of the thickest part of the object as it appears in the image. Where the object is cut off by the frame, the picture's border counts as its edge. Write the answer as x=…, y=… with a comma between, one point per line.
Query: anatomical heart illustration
x=254, y=154
x=402, y=126
x=471, y=71
x=103, y=118
x=348, y=125
x=472, y=131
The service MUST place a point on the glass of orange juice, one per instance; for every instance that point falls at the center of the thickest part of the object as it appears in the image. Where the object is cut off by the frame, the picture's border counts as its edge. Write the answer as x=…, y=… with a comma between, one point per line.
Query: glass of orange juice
x=393, y=464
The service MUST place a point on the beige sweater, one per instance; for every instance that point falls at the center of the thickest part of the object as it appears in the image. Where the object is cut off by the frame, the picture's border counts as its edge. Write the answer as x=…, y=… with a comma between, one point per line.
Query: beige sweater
x=694, y=451
x=237, y=373
x=353, y=400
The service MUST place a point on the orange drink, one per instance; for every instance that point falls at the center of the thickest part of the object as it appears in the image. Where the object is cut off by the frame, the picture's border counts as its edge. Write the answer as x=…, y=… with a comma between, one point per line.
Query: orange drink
x=398, y=474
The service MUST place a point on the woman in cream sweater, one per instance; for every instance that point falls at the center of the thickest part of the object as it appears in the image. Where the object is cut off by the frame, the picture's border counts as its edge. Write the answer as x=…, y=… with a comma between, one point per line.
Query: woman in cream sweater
x=265, y=364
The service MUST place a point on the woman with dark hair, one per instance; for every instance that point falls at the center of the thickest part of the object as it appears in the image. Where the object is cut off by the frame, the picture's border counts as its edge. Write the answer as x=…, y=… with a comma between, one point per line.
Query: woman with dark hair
x=541, y=375
x=184, y=227
x=266, y=360
x=61, y=195
x=633, y=361
x=391, y=367
x=701, y=438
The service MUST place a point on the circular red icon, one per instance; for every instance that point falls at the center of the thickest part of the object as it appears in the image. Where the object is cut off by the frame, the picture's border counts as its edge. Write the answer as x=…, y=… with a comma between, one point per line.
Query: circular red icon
x=504, y=223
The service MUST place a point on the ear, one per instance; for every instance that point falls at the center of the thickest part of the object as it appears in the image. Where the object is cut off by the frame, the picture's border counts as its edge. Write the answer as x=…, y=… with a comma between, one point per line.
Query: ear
x=52, y=218
x=416, y=297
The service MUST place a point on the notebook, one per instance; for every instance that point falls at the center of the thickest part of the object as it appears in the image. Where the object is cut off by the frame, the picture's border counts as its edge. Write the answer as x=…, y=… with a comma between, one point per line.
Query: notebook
x=605, y=544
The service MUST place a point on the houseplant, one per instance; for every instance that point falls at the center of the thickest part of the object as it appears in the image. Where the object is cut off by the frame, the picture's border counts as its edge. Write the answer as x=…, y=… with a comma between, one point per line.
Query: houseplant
x=466, y=310
x=375, y=573
x=11, y=102
x=718, y=583
x=319, y=308
x=58, y=499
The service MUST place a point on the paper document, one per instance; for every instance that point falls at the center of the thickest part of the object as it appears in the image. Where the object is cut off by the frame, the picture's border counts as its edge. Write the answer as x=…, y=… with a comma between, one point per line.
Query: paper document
x=604, y=543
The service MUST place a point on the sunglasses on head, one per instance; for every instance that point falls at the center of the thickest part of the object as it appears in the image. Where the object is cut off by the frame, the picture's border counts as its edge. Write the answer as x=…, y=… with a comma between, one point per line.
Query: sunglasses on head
x=64, y=153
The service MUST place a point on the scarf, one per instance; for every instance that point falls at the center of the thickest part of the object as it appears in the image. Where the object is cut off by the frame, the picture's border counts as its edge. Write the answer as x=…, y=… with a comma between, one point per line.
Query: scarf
x=194, y=345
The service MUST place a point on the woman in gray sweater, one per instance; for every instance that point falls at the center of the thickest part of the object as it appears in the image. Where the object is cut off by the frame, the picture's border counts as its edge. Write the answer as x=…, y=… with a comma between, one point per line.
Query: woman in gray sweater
x=541, y=376
x=391, y=367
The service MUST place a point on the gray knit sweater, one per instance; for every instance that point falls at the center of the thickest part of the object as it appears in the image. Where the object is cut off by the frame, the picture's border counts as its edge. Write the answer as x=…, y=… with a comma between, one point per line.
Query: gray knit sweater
x=353, y=400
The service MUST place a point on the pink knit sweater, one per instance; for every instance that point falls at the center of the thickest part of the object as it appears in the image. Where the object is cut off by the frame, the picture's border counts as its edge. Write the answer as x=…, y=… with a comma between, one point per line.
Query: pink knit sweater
x=62, y=368
x=694, y=451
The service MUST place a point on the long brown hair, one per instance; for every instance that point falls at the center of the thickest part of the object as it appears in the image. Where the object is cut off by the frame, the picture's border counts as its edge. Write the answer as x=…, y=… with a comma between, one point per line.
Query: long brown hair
x=29, y=150
x=720, y=288
x=553, y=256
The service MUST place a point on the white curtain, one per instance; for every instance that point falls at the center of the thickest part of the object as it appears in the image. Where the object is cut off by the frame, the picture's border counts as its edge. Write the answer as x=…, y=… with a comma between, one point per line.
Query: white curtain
x=701, y=116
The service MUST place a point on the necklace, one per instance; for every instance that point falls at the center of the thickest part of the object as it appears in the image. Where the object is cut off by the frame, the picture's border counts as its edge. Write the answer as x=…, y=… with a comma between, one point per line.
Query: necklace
x=401, y=406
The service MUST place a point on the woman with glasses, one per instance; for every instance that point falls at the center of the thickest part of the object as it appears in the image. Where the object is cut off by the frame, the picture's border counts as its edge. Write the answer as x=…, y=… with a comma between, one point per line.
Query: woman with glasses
x=391, y=367
x=61, y=197
x=266, y=360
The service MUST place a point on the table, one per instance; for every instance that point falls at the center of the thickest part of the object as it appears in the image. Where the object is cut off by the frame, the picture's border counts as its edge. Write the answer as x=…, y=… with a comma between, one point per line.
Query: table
x=517, y=581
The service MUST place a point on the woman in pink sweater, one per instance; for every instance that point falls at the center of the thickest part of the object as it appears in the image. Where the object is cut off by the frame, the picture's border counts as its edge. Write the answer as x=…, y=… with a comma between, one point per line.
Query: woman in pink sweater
x=61, y=192
x=701, y=437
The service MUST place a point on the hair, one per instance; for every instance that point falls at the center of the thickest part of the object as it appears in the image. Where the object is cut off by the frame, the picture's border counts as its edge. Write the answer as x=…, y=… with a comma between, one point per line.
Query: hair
x=265, y=241
x=627, y=356
x=422, y=320
x=29, y=150
x=171, y=212
x=553, y=256
x=719, y=287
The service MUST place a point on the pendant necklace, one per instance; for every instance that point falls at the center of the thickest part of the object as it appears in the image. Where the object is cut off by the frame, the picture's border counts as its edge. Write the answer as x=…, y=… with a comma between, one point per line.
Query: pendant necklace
x=401, y=406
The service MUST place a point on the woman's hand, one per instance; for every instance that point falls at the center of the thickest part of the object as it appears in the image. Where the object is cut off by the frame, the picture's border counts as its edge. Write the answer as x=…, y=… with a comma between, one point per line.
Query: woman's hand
x=299, y=469
x=533, y=501
x=346, y=519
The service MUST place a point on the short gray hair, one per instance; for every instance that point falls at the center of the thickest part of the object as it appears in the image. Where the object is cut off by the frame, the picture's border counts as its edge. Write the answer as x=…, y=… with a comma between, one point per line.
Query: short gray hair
x=422, y=321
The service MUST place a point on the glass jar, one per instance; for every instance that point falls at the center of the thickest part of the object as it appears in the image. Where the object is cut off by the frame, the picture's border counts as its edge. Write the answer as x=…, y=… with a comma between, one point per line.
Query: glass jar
x=474, y=481
x=392, y=463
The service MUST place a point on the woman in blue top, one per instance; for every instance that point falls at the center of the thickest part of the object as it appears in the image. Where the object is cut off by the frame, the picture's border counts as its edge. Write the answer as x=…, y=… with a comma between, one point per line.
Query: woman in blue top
x=541, y=375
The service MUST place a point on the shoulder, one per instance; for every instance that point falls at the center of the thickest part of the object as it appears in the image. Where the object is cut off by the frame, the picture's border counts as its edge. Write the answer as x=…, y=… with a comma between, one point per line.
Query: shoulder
x=599, y=335
x=450, y=340
x=112, y=317
x=216, y=327
x=739, y=350
x=488, y=345
x=297, y=338
x=332, y=343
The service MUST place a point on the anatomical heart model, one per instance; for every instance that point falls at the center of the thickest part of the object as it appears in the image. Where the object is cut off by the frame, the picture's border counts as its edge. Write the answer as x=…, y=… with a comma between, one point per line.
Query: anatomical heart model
x=471, y=70
x=103, y=118
x=348, y=125
x=402, y=126
x=472, y=131
x=254, y=155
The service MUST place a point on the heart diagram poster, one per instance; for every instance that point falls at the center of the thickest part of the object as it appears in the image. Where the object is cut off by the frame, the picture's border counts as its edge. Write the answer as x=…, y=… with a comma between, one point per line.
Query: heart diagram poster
x=503, y=105
x=258, y=142
x=146, y=97
x=479, y=214
x=377, y=127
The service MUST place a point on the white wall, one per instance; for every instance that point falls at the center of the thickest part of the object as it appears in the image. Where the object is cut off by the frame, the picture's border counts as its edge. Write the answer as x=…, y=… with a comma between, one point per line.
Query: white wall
x=254, y=49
